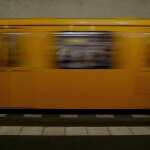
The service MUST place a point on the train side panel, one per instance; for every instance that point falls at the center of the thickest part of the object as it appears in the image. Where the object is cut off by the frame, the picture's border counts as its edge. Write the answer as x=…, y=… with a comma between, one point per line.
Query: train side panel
x=36, y=73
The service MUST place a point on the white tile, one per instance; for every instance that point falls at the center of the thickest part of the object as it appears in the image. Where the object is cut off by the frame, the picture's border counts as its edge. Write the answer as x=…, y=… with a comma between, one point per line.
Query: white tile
x=97, y=131
x=140, y=130
x=119, y=131
x=31, y=131
x=105, y=116
x=10, y=130
x=140, y=116
x=69, y=116
x=32, y=115
x=3, y=115
x=75, y=131
x=54, y=131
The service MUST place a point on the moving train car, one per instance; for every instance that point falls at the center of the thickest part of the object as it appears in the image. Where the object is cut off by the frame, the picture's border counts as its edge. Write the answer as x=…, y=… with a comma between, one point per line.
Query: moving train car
x=75, y=63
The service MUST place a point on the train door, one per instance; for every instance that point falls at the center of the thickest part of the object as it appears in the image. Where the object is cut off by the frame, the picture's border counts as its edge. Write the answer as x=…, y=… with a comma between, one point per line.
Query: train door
x=88, y=68
x=5, y=74
x=17, y=58
x=142, y=83
x=22, y=81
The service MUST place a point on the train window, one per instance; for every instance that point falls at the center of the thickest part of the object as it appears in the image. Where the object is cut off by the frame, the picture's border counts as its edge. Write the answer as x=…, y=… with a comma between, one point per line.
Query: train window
x=148, y=50
x=3, y=52
x=10, y=49
x=15, y=49
x=85, y=50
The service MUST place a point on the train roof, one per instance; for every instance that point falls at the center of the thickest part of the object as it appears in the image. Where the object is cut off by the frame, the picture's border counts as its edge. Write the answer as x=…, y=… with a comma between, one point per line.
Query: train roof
x=76, y=22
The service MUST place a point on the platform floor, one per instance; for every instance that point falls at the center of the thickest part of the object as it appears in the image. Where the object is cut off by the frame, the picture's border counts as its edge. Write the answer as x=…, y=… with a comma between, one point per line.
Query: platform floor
x=74, y=131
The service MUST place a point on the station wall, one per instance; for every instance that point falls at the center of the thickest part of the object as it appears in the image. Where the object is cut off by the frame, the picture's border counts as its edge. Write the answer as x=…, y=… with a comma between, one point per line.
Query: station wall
x=74, y=8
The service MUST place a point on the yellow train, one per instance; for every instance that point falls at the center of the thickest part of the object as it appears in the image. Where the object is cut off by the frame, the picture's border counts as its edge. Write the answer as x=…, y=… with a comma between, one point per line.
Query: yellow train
x=75, y=63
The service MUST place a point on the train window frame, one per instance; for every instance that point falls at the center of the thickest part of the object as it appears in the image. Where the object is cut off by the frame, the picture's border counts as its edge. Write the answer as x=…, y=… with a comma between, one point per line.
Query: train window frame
x=110, y=43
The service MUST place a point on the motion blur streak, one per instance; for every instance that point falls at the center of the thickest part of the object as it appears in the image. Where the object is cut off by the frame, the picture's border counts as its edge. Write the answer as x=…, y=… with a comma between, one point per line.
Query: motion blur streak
x=99, y=65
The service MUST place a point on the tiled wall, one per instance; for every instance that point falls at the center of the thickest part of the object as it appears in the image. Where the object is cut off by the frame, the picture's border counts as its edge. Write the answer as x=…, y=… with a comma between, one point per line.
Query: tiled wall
x=74, y=8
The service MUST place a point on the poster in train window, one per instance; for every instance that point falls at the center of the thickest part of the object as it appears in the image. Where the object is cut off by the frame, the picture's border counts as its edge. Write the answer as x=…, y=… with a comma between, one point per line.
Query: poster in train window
x=85, y=50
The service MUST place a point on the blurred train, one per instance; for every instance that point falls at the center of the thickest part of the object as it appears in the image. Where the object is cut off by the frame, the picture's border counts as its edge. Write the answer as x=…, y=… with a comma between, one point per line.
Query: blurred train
x=75, y=63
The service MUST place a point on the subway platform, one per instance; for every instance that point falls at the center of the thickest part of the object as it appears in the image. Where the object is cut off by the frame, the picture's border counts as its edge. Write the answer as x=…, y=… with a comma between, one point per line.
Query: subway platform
x=74, y=131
